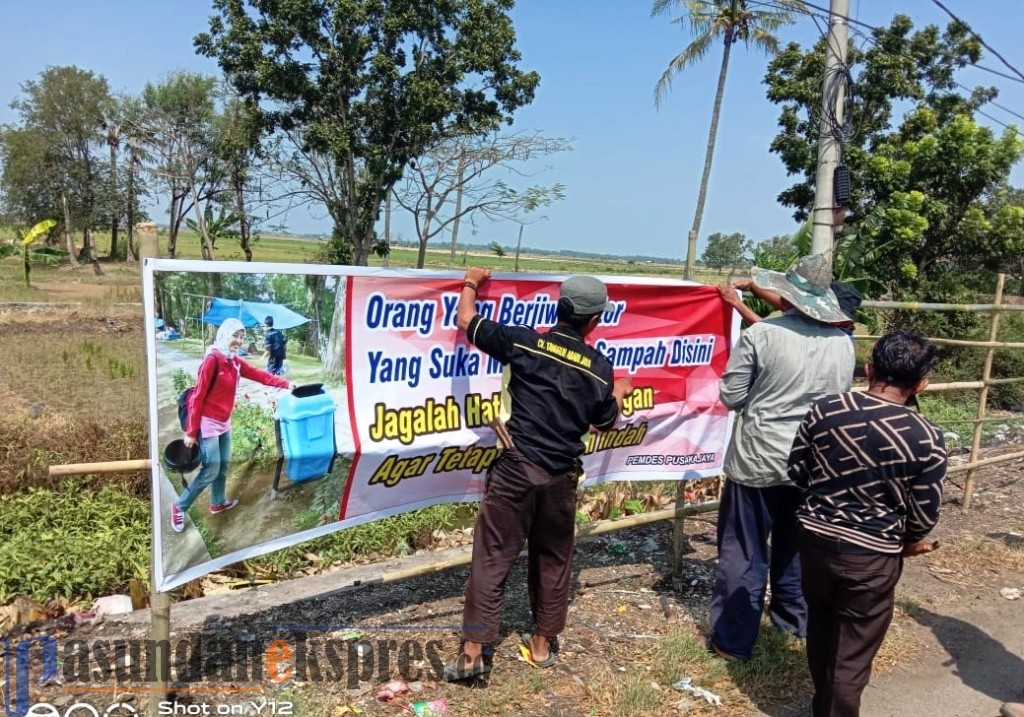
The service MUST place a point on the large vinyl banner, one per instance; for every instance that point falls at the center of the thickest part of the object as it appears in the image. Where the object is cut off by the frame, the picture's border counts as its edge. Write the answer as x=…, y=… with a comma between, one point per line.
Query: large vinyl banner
x=320, y=397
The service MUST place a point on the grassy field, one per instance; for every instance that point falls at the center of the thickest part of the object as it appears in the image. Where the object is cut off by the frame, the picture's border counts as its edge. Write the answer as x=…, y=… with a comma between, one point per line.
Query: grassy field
x=120, y=282
x=303, y=250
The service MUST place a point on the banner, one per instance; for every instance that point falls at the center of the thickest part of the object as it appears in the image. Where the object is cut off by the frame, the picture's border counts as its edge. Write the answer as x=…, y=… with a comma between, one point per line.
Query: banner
x=379, y=404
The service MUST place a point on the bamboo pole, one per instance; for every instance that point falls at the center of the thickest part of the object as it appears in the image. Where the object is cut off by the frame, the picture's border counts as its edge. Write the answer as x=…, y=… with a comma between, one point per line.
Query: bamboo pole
x=1005, y=458
x=959, y=385
x=986, y=376
x=918, y=306
x=957, y=342
x=75, y=469
x=998, y=419
x=680, y=543
x=159, y=602
x=583, y=532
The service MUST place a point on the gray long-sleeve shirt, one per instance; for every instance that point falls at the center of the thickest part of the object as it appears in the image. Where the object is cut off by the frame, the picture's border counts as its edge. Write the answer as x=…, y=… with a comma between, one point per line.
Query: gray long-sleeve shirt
x=777, y=370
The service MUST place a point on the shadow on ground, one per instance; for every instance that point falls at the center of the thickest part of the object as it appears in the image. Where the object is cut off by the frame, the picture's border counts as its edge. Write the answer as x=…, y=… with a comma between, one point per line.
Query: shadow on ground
x=981, y=662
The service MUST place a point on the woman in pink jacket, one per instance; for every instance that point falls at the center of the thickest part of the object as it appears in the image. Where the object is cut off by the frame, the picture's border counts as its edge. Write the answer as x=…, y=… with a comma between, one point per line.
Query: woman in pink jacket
x=209, y=418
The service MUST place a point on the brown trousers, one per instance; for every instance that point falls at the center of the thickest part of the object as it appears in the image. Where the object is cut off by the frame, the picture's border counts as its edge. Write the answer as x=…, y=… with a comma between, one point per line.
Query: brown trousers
x=850, y=593
x=522, y=502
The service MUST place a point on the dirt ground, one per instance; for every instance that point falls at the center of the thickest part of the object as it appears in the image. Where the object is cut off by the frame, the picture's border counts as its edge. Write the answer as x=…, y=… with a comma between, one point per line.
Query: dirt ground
x=955, y=649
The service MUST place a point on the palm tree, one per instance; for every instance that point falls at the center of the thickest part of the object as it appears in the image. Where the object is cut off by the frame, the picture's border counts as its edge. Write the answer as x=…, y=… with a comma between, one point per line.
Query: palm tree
x=710, y=21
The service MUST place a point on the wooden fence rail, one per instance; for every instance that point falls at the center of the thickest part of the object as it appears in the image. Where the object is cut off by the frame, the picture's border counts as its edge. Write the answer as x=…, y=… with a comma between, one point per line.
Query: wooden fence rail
x=997, y=308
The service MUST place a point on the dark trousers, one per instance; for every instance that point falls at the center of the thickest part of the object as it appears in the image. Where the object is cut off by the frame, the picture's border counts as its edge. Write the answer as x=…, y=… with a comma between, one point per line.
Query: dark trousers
x=747, y=517
x=850, y=593
x=522, y=502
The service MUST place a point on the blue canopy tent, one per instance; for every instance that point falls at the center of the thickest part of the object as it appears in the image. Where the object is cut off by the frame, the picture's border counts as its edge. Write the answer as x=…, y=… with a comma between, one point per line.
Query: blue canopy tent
x=252, y=313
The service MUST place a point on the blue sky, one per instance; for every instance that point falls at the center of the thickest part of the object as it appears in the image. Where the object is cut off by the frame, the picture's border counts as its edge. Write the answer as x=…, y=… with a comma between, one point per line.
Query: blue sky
x=632, y=179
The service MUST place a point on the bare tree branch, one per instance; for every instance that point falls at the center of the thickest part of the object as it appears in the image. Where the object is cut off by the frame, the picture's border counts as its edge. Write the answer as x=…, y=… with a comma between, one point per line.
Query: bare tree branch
x=468, y=177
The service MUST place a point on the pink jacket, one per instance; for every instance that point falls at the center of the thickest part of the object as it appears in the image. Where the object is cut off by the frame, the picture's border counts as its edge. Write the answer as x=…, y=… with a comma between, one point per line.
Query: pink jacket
x=217, y=401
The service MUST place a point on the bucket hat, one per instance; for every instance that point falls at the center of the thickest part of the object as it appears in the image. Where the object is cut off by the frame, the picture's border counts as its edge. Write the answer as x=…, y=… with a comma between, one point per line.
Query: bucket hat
x=806, y=285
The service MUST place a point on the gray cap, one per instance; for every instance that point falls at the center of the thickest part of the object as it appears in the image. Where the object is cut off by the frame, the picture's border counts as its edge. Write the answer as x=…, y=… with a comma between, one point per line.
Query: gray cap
x=587, y=295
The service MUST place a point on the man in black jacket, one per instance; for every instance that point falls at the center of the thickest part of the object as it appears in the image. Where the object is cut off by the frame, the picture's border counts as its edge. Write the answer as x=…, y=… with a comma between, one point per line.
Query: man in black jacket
x=559, y=386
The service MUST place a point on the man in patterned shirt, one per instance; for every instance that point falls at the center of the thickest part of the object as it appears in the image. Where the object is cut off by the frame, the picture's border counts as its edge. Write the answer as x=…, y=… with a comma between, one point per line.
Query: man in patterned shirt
x=778, y=368
x=871, y=472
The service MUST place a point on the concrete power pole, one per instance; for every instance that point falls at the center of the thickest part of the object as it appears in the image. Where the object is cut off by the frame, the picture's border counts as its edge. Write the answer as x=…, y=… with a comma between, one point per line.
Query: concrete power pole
x=828, y=148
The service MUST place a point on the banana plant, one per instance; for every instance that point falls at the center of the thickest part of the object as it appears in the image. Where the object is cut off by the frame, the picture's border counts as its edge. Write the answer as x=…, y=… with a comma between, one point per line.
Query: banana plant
x=222, y=226
x=28, y=238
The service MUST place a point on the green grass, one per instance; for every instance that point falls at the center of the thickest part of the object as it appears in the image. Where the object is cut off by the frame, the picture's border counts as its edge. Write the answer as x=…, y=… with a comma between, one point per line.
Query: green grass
x=87, y=372
x=777, y=670
x=954, y=413
x=74, y=542
x=634, y=694
x=397, y=535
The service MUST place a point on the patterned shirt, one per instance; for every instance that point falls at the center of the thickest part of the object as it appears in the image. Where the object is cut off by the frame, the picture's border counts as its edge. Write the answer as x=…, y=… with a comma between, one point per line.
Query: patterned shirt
x=871, y=471
x=777, y=370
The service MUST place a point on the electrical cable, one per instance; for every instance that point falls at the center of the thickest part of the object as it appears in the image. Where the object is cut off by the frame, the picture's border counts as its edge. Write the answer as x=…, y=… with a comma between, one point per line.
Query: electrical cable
x=978, y=37
x=825, y=13
x=868, y=38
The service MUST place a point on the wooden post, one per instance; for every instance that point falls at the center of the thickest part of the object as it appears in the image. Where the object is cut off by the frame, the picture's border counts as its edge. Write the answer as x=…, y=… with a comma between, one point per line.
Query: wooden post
x=72, y=257
x=159, y=602
x=680, y=543
x=148, y=248
x=986, y=375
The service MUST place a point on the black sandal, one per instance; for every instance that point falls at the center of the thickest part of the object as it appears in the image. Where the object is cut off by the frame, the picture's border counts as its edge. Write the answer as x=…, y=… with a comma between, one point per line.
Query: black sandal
x=457, y=670
x=527, y=640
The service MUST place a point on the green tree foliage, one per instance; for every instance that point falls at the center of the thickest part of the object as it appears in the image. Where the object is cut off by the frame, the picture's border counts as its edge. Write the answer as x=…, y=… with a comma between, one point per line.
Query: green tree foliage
x=712, y=22
x=369, y=85
x=177, y=128
x=924, y=219
x=726, y=250
x=776, y=253
x=57, y=150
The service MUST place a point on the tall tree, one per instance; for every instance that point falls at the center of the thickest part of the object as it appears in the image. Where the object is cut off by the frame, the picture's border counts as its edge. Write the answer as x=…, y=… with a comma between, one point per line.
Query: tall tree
x=178, y=126
x=924, y=225
x=368, y=85
x=135, y=136
x=110, y=124
x=53, y=155
x=467, y=177
x=712, y=22
x=238, y=146
x=726, y=250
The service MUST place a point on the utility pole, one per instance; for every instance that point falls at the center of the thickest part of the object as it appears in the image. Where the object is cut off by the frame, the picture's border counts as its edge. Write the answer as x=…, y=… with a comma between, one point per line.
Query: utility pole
x=828, y=148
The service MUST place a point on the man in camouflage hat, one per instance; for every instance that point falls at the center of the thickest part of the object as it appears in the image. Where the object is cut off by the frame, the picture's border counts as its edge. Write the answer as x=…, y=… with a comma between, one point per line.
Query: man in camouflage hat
x=778, y=368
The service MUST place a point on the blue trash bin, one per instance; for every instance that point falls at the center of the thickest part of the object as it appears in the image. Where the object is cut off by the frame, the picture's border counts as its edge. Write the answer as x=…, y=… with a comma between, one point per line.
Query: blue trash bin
x=304, y=423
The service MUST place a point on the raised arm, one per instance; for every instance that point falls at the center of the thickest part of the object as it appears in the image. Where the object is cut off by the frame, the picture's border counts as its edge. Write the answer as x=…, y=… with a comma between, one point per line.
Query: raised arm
x=466, y=310
x=731, y=296
x=769, y=297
